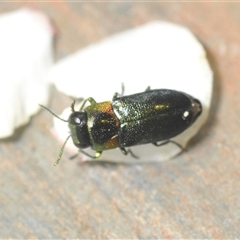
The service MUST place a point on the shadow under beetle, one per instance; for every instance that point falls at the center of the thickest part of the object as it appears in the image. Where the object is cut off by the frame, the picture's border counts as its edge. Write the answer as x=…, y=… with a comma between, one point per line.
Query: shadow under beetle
x=147, y=117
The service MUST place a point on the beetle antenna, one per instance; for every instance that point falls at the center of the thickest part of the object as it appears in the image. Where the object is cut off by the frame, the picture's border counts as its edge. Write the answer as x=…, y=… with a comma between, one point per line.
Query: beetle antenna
x=53, y=113
x=72, y=106
x=61, y=151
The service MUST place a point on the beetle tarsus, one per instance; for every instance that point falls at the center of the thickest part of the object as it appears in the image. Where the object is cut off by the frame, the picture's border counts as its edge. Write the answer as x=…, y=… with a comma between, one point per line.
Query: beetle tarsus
x=72, y=106
x=166, y=142
x=126, y=152
x=78, y=101
x=148, y=89
x=116, y=94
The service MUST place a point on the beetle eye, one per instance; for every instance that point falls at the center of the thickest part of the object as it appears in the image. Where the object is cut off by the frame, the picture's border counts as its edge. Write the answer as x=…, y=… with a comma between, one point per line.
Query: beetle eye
x=75, y=119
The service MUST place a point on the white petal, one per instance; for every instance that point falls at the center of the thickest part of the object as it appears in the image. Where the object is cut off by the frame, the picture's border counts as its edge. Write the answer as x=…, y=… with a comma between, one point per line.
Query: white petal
x=26, y=56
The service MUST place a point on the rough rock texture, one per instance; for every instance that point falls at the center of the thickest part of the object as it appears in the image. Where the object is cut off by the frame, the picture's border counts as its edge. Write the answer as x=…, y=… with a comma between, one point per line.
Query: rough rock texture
x=195, y=195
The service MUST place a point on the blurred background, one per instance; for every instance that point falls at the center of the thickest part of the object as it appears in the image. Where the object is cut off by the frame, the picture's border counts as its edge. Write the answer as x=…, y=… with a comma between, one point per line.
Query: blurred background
x=195, y=195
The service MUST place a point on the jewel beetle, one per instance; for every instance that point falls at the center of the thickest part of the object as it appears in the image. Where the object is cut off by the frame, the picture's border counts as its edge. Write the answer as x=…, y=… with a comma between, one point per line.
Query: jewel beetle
x=151, y=116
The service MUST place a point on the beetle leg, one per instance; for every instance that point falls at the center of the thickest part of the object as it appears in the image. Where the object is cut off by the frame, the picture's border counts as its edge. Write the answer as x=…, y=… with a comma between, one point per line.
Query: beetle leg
x=166, y=142
x=116, y=94
x=90, y=99
x=126, y=152
x=74, y=156
x=78, y=100
x=96, y=154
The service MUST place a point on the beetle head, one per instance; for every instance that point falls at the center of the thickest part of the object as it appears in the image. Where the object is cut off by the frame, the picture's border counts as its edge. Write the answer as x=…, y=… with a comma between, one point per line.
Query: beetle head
x=77, y=123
